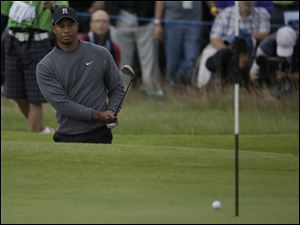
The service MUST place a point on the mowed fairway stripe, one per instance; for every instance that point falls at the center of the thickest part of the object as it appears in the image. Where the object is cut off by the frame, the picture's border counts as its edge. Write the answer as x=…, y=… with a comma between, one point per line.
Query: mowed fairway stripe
x=285, y=143
x=45, y=182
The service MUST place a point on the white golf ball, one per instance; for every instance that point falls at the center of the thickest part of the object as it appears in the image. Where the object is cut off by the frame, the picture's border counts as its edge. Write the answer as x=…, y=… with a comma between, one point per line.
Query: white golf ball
x=216, y=205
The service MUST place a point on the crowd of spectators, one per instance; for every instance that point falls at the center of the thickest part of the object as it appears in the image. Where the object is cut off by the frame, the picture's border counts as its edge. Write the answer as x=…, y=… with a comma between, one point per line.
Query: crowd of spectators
x=182, y=44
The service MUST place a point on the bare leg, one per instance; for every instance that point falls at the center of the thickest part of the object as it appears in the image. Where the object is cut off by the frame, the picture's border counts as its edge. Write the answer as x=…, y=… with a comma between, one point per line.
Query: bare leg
x=35, y=117
x=24, y=106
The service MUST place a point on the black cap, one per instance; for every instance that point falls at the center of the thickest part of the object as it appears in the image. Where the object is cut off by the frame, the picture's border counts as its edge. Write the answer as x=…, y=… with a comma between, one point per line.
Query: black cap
x=64, y=12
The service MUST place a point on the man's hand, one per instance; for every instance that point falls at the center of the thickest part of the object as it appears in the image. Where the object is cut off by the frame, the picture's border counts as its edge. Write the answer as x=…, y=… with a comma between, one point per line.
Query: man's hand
x=218, y=43
x=158, y=32
x=105, y=116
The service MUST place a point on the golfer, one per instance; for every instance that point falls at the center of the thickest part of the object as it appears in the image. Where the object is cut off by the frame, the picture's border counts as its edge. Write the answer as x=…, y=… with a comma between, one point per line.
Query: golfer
x=81, y=81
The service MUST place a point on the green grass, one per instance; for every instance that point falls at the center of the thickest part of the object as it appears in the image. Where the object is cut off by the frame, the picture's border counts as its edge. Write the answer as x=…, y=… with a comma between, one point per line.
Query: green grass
x=170, y=159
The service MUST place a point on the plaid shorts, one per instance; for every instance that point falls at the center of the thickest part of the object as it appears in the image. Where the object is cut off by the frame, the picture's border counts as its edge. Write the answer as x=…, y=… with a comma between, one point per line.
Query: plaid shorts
x=19, y=62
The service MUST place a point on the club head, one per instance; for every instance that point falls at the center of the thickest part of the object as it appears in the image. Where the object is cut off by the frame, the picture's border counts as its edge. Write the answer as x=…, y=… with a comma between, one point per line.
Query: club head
x=127, y=70
x=111, y=125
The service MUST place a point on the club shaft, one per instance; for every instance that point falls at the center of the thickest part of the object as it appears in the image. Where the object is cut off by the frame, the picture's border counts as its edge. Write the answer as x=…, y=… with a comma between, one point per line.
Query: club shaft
x=119, y=106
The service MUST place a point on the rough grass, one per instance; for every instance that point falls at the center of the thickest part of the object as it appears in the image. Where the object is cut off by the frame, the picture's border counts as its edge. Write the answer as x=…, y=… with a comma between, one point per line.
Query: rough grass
x=190, y=113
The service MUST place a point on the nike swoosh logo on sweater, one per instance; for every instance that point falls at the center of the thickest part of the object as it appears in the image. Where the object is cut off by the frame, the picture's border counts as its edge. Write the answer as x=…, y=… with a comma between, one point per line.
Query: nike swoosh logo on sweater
x=88, y=63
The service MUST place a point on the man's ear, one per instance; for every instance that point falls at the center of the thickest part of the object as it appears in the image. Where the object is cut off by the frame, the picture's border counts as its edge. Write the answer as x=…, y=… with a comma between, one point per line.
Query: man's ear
x=53, y=29
x=77, y=26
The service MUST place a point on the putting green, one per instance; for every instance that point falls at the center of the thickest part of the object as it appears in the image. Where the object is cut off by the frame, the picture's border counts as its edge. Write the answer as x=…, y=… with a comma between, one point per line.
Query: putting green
x=137, y=180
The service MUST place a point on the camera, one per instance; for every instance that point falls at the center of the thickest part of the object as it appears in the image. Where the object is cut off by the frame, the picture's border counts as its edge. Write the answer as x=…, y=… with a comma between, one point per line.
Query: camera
x=271, y=64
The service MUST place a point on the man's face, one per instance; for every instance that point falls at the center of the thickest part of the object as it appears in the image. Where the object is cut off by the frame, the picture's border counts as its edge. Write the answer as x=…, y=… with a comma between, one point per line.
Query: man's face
x=66, y=31
x=100, y=23
x=247, y=6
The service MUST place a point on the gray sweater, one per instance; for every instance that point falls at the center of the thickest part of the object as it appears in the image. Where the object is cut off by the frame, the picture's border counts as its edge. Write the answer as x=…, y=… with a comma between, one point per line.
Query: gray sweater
x=79, y=82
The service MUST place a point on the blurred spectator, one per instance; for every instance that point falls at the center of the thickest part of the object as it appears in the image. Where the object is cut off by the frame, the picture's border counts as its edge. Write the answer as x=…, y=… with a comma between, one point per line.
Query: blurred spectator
x=225, y=62
x=100, y=34
x=130, y=33
x=256, y=21
x=277, y=58
x=25, y=43
x=217, y=6
x=181, y=40
x=96, y=5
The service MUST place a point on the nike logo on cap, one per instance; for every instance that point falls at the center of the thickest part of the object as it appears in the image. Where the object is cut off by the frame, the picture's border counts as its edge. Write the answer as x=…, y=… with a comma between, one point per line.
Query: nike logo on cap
x=89, y=63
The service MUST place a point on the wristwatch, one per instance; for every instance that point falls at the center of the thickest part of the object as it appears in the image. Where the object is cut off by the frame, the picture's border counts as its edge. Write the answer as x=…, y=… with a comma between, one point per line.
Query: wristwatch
x=156, y=21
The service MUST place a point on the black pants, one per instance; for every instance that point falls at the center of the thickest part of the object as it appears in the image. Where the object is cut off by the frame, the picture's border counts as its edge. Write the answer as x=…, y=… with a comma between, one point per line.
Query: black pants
x=102, y=135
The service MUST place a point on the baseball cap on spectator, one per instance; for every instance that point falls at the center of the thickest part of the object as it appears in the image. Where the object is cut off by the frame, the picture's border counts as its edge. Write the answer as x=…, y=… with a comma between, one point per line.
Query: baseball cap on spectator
x=286, y=39
x=65, y=12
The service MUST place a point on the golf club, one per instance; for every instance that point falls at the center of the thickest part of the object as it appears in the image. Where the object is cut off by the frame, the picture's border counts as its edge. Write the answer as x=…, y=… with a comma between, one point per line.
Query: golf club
x=128, y=71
